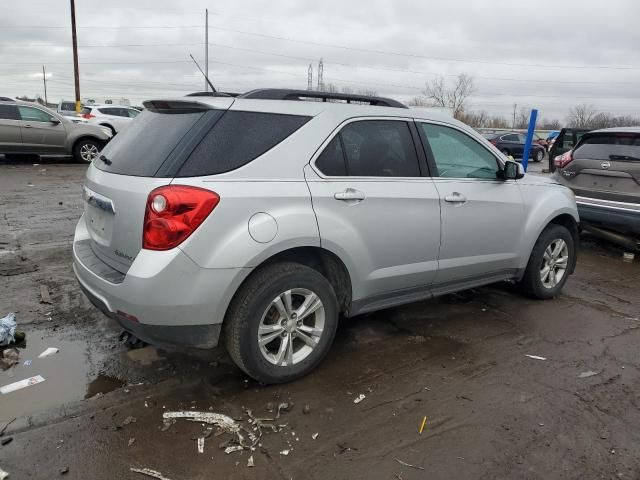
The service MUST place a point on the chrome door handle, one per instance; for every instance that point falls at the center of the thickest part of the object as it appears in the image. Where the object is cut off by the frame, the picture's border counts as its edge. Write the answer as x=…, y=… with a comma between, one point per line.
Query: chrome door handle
x=350, y=194
x=27, y=126
x=455, y=197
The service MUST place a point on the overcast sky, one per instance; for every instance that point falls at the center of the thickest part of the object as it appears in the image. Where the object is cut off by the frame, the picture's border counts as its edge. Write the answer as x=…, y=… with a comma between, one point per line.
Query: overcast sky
x=545, y=54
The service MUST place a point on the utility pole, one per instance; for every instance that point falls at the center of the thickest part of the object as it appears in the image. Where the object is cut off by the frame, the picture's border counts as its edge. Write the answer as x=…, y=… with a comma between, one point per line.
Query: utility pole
x=206, y=49
x=44, y=79
x=74, y=39
x=513, y=125
x=310, y=77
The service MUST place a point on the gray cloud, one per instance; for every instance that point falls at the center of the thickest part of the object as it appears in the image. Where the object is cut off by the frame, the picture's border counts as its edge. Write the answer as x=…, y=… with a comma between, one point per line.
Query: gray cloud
x=518, y=53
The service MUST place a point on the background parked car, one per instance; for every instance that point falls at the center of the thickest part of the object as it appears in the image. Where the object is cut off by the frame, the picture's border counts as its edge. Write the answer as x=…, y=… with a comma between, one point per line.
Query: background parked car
x=113, y=117
x=540, y=141
x=511, y=143
x=604, y=173
x=564, y=141
x=30, y=129
x=67, y=108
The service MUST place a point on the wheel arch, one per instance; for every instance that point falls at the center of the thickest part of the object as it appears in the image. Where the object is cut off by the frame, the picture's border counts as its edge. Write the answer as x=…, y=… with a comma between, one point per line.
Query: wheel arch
x=85, y=137
x=566, y=220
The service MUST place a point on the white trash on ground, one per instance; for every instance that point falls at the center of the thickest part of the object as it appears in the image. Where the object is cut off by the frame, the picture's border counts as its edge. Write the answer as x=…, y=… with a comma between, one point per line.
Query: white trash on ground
x=149, y=473
x=27, y=382
x=359, y=398
x=48, y=351
x=536, y=357
x=8, y=326
x=223, y=422
x=587, y=374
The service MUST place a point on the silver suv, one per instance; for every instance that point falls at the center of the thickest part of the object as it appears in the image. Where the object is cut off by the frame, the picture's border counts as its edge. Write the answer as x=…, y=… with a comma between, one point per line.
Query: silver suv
x=260, y=220
x=31, y=129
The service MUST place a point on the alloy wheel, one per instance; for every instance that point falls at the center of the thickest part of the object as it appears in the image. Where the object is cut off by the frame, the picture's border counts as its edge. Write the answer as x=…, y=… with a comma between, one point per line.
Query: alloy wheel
x=88, y=152
x=555, y=261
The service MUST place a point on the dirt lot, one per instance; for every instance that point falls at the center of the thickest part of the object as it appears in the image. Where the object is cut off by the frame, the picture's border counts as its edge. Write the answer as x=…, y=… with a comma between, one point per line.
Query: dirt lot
x=492, y=412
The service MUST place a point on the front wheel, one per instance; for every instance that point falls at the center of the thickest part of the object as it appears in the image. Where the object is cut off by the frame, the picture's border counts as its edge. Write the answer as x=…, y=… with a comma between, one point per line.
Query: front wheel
x=550, y=263
x=539, y=155
x=281, y=323
x=86, y=150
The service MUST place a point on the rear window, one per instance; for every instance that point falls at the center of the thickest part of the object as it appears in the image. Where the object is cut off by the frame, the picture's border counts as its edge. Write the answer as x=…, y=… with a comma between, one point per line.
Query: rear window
x=70, y=106
x=86, y=111
x=237, y=139
x=9, y=112
x=142, y=148
x=609, y=146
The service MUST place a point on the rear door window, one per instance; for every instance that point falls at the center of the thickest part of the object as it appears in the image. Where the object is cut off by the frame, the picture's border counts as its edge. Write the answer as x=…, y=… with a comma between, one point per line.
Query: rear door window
x=511, y=137
x=237, y=139
x=331, y=161
x=9, y=112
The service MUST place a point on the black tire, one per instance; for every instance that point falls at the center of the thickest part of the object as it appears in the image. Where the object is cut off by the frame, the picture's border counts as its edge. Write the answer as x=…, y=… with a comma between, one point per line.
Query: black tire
x=531, y=282
x=240, y=330
x=78, y=149
x=538, y=155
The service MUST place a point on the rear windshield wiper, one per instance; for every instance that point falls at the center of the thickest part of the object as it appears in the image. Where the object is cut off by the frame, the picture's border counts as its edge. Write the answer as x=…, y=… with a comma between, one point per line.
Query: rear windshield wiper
x=623, y=157
x=105, y=160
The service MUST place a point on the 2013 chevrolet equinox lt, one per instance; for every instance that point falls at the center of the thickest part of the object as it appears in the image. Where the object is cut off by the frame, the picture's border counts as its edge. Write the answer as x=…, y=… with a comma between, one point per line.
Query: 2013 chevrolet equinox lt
x=259, y=220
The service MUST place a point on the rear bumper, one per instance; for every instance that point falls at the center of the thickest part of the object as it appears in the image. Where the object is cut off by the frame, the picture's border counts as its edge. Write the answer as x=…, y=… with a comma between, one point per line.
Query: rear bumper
x=165, y=298
x=620, y=216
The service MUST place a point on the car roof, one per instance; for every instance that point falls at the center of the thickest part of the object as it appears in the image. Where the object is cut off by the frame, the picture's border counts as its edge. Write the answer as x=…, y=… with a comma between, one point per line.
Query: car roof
x=617, y=130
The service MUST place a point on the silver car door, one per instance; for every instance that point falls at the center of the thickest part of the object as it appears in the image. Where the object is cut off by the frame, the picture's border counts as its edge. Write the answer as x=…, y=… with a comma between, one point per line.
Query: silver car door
x=482, y=215
x=10, y=135
x=374, y=209
x=41, y=131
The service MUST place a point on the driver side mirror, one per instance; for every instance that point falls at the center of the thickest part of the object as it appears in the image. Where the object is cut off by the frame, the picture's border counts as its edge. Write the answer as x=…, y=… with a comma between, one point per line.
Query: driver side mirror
x=54, y=121
x=512, y=171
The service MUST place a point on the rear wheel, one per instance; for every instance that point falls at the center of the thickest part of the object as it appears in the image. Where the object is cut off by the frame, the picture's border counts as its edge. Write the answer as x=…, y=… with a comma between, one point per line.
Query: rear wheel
x=281, y=323
x=550, y=263
x=538, y=155
x=86, y=150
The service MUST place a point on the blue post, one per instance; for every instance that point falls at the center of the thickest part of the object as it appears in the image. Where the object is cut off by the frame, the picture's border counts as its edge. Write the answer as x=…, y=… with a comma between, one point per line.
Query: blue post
x=527, y=145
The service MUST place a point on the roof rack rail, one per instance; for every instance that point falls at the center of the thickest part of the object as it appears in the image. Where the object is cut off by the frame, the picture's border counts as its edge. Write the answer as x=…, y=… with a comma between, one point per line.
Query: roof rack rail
x=286, y=94
x=212, y=94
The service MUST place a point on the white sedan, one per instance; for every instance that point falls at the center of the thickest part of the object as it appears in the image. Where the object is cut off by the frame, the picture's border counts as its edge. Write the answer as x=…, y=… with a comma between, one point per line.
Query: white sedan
x=113, y=117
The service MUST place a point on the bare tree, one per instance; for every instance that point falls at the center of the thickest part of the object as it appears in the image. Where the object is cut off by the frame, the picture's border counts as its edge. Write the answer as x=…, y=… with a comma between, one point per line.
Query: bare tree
x=550, y=124
x=581, y=116
x=454, y=97
x=522, y=118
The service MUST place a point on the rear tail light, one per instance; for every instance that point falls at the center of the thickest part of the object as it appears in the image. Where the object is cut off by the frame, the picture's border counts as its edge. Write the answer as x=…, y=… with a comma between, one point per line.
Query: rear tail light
x=493, y=142
x=563, y=160
x=173, y=213
x=88, y=116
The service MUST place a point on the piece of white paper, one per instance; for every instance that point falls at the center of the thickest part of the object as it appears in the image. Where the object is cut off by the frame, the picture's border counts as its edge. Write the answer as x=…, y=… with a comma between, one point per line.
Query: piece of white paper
x=47, y=352
x=536, y=357
x=27, y=382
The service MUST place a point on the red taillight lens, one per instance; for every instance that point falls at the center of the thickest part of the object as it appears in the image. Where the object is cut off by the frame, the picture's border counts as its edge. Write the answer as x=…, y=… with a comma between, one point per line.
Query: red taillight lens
x=88, y=116
x=173, y=213
x=563, y=160
x=493, y=142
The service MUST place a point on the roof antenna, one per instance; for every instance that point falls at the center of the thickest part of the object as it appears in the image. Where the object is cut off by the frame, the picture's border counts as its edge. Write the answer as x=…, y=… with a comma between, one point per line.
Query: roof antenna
x=213, y=89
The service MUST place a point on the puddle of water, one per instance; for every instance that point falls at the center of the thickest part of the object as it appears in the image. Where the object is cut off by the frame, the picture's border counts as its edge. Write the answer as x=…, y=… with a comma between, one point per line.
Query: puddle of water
x=66, y=374
x=103, y=384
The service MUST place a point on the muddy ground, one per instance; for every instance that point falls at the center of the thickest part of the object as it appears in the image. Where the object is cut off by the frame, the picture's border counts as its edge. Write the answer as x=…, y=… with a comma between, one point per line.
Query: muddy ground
x=492, y=412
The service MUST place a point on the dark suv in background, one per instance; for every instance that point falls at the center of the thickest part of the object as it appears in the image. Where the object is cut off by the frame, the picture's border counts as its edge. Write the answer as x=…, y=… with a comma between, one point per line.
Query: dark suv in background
x=512, y=143
x=603, y=170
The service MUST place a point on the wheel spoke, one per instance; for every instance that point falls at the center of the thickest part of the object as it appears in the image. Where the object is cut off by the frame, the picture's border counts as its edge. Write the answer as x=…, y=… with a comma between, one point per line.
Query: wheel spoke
x=284, y=345
x=544, y=273
x=306, y=339
x=562, y=262
x=270, y=337
x=286, y=299
x=552, y=278
x=311, y=304
x=313, y=331
x=558, y=249
x=282, y=310
x=547, y=254
x=289, y=350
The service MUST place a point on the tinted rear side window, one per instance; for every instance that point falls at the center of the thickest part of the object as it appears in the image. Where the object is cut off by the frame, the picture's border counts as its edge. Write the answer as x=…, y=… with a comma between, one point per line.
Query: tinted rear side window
x=237, y=139
x=331, y=161
x=9, y=112
x=142, y=148
x=609, y=146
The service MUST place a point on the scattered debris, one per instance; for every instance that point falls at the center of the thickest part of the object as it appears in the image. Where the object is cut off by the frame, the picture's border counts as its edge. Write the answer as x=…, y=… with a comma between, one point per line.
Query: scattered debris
x=149, y=473
x=223, y=422
x=145, y=355
x=627, y=257
x=235, y=448
x=250, y=462
x=8, y=326
x=284, y=407
x=3, y=474
x=7, y=426
x=306, y=409
x=129, y=420
x=27, y=362
x=315, y=435
x=201, y=445
x=64, y=470
x=44, y=295
x=424, y=422
x=285, y=452
x=166, y=424
x=27, y=382
x=405, y=464
x=359, y=398
x=48, y=351
x=6, y=441
x=8, y=358
x=587, y=374
x=536, y=357
x=464, y=397
x=132, y=440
